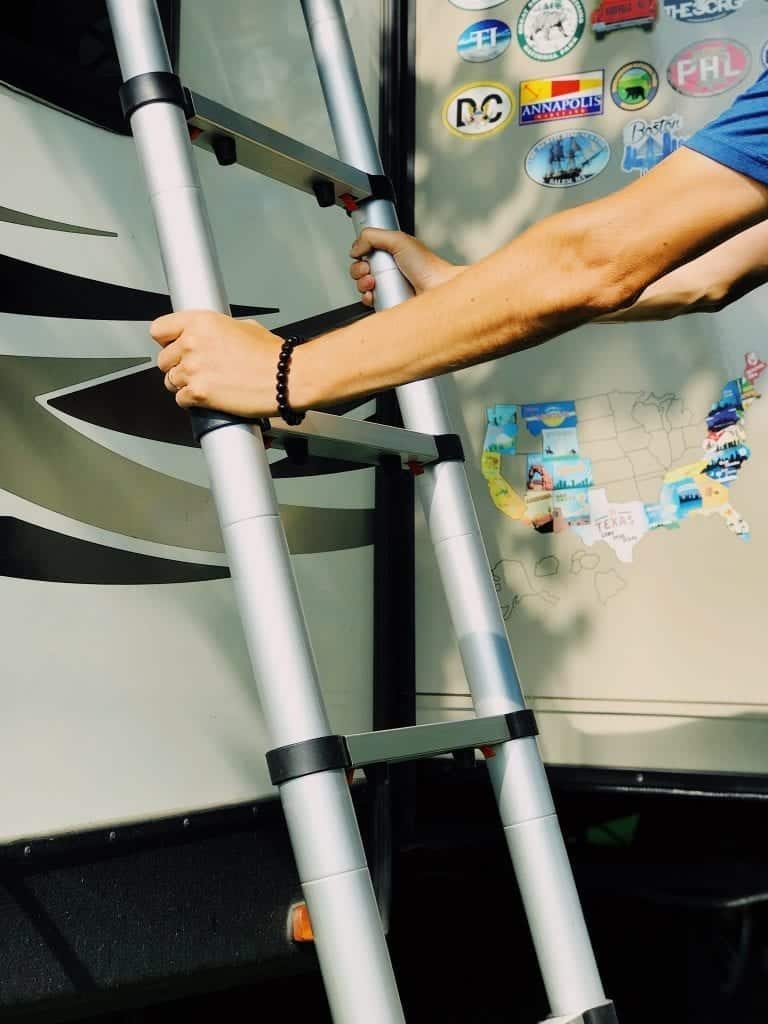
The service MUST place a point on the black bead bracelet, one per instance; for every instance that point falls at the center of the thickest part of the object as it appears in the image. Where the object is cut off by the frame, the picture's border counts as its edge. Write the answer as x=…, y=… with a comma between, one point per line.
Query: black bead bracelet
x=284, y=411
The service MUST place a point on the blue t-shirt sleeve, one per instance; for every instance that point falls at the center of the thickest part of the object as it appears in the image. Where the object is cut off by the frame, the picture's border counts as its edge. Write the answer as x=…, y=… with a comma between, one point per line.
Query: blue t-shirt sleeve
x=738, y=138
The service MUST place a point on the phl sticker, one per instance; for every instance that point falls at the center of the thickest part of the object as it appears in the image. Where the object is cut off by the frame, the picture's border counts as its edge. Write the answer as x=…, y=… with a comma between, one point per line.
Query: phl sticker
x=555, y=99
x=484, y=40
x=634, y=85
x=549, y=29
x=647, y=143
x=479, y=109
x=709, y=67
x=697, y=11
x=610, y=15
x=567, y=159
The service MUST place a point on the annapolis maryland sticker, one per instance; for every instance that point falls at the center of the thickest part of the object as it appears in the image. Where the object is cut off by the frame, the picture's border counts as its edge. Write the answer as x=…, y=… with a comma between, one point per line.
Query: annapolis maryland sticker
x=554, y=99
x=567, y=158
x=481, y=108
x=634, y=85
x=647, y=143
x=701, y=10
x=548, y=29
x=476, y=5
x=484, y=40
x=709, y=67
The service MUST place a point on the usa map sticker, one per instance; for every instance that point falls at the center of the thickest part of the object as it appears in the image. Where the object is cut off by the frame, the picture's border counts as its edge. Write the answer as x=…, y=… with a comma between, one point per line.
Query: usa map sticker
x=567, y=159
x=555, y=99
x=709, y=67
x=647, y=143
x=701, y=10
x=484, y=40
x=479, y=109
x=556, y=492
x=634, y=85
x=549, y=29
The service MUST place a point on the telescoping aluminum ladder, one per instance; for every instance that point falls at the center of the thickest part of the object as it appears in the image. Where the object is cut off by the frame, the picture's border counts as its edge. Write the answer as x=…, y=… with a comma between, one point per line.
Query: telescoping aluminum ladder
x=308, y=762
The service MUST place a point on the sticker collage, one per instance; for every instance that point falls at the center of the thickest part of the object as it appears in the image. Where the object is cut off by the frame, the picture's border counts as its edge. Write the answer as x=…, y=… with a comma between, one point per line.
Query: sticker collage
x=548, y=30
x=559, y=494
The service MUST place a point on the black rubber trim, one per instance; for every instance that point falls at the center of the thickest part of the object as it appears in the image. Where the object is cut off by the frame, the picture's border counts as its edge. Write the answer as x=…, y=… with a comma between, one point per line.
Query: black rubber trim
x=449, y=448
x=605, y=1014
x=381, y=188
x=153, y=87
x=206, y=420
x=322, y=754
x=521, y=724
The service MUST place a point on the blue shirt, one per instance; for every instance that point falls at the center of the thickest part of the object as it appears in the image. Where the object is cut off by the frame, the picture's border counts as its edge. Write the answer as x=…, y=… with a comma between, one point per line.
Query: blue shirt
x=738, y=138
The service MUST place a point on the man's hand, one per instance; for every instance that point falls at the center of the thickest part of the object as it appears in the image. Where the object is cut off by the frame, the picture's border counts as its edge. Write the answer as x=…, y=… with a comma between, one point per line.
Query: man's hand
x=422, y=268
x=214, y=361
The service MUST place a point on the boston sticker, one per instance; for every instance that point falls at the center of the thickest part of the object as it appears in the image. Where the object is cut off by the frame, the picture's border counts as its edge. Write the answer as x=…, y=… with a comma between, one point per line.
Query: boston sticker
x=701, y=10
x=481, y=108
x=709, y=67
x=548, y=29
x=634, y=85
x=567, y=158
x=555, y=99
x=484, y=40
x=647, y=143
x=476, y=5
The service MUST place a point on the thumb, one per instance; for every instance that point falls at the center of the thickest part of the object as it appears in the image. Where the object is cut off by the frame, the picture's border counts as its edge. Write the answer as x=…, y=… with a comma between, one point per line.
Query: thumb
x=376, y=238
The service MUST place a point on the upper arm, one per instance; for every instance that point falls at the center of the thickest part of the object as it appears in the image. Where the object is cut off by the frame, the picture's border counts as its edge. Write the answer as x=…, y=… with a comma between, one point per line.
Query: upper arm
x=685, y=206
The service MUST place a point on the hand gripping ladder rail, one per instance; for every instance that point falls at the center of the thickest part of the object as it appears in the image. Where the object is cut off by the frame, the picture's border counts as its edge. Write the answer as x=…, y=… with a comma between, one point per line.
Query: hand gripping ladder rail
x=308, y=761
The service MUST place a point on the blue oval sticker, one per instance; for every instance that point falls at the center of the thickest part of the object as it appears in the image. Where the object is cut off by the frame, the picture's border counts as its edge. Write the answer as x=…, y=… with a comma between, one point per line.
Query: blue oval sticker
x=484, y=40
x=567, y=158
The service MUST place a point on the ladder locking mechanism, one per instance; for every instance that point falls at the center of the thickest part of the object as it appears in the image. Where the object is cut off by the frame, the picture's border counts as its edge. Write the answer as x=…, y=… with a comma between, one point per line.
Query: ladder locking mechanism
x=387, y=746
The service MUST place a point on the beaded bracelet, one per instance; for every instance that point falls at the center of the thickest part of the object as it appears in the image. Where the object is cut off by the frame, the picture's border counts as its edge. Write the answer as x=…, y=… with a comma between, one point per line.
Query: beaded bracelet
x=284, y=411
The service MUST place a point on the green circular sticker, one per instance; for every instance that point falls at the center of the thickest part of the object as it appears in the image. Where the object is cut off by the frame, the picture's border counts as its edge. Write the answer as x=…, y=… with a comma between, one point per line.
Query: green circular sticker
x=549, y=29
x=634, y=85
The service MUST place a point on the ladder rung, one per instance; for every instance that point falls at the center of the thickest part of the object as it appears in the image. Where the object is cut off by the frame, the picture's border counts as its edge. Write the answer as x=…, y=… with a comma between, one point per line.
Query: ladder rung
x=273, y=154
x=387, y=746
x=327, y=436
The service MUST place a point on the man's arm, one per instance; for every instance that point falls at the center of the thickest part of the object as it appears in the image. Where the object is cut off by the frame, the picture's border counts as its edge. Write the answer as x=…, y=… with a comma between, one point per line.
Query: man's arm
x=704, y=285
x=564, y=271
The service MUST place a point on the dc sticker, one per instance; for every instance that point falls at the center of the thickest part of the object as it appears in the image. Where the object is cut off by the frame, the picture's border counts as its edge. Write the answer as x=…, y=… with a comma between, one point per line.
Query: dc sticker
x=482, y=108
x=567, y=159
x=549, y=29
x=634, y=85
x=485, y=40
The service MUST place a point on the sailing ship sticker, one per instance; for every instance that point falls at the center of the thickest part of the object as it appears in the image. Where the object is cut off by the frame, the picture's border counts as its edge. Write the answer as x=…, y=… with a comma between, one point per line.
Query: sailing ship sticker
x=567, y=158
x=549, y=29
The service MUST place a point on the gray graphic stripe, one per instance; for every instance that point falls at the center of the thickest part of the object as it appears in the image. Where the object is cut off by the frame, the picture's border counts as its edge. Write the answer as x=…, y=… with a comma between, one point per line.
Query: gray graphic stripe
x=28, y=220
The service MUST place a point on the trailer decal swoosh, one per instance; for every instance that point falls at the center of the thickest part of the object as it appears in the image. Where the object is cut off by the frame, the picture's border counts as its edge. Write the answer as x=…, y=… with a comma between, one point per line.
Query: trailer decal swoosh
x=29, y=220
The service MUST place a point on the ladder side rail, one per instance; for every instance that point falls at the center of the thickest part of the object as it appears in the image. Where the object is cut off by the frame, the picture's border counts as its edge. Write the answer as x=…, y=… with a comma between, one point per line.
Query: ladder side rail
x=318, y=809
x=520, y=784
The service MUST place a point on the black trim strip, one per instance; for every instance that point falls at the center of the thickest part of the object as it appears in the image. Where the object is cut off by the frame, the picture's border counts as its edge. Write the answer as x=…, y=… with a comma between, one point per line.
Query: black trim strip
x=32, y=290
x=31, y=552
x=693, y=784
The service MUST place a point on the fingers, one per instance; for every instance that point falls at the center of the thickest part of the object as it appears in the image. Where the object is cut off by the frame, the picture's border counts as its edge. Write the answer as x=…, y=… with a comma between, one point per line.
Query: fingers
x=376, y=238
x=169, y=356
x=167, y=328
x=175, y=379
x=360, y=269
